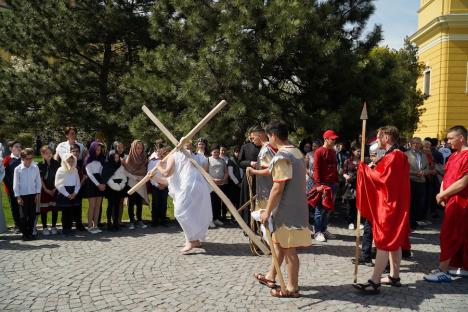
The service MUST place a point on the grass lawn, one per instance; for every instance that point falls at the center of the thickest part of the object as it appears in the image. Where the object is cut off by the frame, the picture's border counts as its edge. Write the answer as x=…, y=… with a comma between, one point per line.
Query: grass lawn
x=146, y=211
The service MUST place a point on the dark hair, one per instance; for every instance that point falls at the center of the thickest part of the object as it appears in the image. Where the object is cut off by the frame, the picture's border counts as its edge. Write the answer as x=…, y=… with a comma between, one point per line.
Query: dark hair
x=278, y=128
x=391, y=131
x=215, y=146
x=13, y=142
x=70, y=128
x=75, y=146
x=236, y=149
x=27, y=152
x=460, y=130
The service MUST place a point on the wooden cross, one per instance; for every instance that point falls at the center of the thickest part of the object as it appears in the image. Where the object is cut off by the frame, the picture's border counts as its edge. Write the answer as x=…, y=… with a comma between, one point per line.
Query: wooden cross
x=179, y=147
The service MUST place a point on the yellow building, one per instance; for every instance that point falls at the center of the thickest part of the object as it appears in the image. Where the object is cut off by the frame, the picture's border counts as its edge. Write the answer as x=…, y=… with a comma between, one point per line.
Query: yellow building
x=442, y=39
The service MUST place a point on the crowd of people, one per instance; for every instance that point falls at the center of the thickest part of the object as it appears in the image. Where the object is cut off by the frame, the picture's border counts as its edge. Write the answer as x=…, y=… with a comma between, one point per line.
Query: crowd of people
x=403, y=185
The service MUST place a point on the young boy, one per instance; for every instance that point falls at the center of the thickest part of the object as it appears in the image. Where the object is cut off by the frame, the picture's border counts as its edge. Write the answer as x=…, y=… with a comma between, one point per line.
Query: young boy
x=11, y=162
x=27, y=189
x=217, y=168
x=287, y=204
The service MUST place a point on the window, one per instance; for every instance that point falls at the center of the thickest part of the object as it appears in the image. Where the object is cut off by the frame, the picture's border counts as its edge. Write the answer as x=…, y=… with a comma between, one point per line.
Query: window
x=427, y=82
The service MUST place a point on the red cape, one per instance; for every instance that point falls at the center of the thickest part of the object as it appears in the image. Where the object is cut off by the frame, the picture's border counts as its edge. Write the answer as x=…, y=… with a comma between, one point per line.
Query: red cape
x=326, y=196
x=454, y=230
x=383, y=197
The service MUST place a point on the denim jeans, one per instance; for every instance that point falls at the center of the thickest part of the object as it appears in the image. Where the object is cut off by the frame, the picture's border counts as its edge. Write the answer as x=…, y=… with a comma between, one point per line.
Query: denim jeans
x=321, y=213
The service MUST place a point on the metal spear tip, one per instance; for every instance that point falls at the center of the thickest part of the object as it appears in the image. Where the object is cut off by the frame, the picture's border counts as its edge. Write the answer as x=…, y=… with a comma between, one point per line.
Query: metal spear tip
x=364, y=112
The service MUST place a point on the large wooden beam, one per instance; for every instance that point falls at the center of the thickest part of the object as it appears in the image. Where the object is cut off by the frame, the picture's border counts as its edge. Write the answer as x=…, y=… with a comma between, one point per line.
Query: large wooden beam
x=232, y=209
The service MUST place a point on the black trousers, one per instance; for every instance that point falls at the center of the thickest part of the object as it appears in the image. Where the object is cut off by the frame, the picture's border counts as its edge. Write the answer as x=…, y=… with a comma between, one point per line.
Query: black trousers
x=27, y=213
x=158, y=204
x=77, y=218
x=418, y=209
x=67, y=219
x=54, y=218
x=351, y=210
x=15, y=210
x=113, y=207
x=219, y=210
x=366, y=246
x=135, y=200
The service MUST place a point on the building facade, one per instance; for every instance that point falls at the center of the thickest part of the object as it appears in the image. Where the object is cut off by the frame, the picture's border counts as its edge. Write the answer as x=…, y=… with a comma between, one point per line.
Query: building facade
x=442, y=39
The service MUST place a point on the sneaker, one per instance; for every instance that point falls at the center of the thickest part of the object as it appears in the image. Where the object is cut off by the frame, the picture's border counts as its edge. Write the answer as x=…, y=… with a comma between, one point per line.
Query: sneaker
x=351, y=226
x=97, y=230
x=45, y=232
x=132, y=226
x=329, y=235
x=16, y=230
x=34, y=233
x=141, y=225
x=459, y=272
x=218, y=222
x=53, y=231
x=212, y=225
x=361, y=226
x=319, y=237
x=91, y=230
x=437, y=276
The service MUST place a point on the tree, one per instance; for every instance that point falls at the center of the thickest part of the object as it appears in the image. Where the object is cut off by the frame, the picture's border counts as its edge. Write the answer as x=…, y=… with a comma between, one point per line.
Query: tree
x=295, y=60
x=68, y=62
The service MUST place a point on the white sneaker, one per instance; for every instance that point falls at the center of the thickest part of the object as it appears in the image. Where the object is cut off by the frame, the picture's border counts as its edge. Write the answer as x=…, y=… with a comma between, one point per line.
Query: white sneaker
x=45, y=232
x=132, y=226
x=97, y=230
x=329, y=235
x=351, y=226
x=34, y=232
x=459, y=272
x=91, y=230
x=53, y=231
x=218, y=222
x=361, y=226
x=141, y=225
x=437, y=276
x=212, y=225
x=319, y=237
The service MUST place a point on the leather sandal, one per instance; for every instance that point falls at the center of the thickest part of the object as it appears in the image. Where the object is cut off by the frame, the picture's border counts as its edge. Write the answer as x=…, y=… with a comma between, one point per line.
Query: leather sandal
x=392, y=281
x=264, y=281
x=278, y=293
x=369, y=288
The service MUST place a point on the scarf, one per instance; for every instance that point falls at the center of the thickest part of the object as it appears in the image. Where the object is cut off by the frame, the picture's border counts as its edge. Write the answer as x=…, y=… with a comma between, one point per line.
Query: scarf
x=65, y=169
x=109, y=167
x=136, y=164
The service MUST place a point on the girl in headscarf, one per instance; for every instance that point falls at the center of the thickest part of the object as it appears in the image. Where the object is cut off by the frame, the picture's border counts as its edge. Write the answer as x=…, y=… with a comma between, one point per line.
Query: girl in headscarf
x=67, y=182
x=136, y=168
x=114, y=175
x=94, y=187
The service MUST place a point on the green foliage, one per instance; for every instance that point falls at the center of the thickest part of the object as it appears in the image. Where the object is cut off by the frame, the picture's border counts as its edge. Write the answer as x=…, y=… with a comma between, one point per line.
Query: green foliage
x=68, y=62
x=306, y=62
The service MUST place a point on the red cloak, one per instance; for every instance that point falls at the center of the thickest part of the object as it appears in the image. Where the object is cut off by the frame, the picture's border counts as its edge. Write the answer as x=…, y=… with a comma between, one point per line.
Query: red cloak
x=454, y=230
x=383, y=197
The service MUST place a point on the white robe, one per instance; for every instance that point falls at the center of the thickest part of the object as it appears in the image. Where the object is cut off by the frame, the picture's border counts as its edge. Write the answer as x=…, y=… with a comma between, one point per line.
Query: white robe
x=191, y=196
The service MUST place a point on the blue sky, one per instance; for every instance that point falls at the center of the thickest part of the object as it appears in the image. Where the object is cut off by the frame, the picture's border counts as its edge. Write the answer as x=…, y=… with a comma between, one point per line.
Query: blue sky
x=399, y=18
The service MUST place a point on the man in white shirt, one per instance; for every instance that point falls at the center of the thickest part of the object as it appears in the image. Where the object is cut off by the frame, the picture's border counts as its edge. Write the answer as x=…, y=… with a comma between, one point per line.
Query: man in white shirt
x=64, y=147
x=27, y=189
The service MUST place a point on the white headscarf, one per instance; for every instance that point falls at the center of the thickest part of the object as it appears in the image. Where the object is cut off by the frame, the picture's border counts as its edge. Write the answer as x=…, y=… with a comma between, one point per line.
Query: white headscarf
x=65, y=169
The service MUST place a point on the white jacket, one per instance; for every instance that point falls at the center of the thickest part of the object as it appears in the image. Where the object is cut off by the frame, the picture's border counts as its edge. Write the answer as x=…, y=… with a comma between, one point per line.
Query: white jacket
x=118, y=174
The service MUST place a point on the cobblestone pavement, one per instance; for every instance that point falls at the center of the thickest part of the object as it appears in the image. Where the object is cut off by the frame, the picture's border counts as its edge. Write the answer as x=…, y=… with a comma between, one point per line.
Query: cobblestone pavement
x=142, y=270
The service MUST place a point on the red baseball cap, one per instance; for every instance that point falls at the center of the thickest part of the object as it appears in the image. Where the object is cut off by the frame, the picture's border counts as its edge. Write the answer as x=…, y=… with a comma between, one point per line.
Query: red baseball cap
x=330, y=134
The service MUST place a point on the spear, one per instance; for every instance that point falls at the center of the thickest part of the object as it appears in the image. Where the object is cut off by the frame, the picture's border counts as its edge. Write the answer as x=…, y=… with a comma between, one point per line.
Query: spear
x=358, y=218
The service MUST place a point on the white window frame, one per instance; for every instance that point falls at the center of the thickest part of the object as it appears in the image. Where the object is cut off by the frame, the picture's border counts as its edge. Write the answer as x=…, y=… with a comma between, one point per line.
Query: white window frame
x=427, y=92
